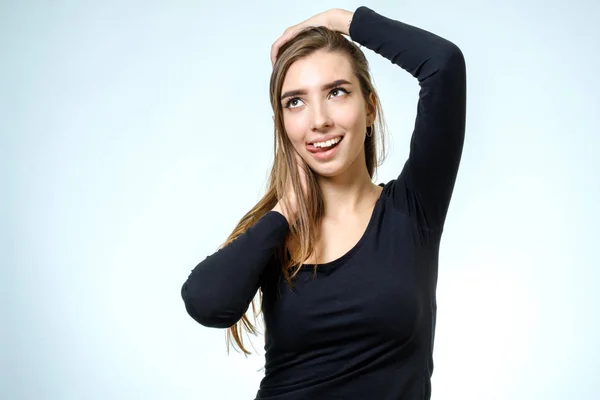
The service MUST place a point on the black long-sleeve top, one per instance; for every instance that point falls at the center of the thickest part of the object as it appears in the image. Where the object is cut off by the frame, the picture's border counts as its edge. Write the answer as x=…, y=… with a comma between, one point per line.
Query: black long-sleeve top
x=364, y=327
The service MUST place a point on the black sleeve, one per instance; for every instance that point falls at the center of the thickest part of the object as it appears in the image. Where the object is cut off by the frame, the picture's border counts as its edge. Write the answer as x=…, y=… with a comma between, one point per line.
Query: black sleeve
x=219, y=290
x=425, y=184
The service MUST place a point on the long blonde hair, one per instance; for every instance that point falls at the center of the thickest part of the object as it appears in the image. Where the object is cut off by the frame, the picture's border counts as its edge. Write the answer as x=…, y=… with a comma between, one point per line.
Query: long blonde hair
x=299, y=243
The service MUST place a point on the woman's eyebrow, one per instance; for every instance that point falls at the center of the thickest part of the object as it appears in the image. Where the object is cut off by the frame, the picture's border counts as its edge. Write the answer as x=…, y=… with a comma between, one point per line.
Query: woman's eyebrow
x=326, y=86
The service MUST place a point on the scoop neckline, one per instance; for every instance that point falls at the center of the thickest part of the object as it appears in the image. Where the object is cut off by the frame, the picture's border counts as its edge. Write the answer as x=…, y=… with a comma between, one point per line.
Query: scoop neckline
x=358, y=244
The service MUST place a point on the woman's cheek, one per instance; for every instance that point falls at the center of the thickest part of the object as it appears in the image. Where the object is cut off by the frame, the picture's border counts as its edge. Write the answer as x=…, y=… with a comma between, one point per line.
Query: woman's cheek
x=295, y=134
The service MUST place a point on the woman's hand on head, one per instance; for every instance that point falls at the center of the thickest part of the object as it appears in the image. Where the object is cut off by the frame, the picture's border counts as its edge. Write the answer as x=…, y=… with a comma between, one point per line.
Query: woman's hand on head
x=335, y=19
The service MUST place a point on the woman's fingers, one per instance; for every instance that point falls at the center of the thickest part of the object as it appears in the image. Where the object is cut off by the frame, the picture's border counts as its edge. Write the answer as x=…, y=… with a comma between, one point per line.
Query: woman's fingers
x=320, y=19
x=288, y=34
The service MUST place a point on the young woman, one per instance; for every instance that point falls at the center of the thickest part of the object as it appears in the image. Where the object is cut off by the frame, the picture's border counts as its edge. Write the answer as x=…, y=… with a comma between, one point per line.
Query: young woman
x=347, y=269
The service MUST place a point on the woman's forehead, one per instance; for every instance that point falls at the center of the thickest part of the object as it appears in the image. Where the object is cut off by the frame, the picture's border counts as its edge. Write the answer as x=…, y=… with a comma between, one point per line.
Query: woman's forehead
x=313, y=72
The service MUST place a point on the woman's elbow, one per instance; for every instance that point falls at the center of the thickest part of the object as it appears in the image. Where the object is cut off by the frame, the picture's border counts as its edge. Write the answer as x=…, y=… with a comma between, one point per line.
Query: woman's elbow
x=207, y=312
x=452, y=57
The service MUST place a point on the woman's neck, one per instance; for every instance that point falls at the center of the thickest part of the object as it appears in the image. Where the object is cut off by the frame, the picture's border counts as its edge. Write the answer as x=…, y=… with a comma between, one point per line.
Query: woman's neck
x=349, y=193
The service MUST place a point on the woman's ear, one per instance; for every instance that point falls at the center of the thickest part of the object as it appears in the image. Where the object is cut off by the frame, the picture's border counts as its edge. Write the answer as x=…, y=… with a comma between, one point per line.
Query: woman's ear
x=371, y=109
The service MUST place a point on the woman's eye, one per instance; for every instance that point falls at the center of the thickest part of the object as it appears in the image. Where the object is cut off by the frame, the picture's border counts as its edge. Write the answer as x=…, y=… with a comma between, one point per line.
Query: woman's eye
x=290, y=101
x=336, y=90
x=339, y=89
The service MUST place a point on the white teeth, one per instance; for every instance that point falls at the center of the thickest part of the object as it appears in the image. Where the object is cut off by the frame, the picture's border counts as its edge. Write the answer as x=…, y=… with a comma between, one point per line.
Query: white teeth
x=328, y=143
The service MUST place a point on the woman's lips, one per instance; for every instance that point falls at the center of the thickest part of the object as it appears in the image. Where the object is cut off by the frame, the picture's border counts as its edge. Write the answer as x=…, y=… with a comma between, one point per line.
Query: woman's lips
x=322, y=154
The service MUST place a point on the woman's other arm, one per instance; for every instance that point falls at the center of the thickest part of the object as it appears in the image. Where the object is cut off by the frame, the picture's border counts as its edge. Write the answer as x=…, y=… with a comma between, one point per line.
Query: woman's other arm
x=425, y=184
x=219, y=290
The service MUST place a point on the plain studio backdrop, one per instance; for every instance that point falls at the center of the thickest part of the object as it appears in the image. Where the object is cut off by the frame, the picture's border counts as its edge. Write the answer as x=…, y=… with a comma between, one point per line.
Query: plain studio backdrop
x=136, y=134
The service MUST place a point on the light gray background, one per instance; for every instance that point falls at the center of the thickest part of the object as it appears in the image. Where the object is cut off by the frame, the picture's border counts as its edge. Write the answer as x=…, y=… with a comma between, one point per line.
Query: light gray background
x=136, y=134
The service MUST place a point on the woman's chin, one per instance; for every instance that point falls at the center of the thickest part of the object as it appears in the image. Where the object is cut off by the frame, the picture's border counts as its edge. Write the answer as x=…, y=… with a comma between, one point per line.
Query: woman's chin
x=328, y=171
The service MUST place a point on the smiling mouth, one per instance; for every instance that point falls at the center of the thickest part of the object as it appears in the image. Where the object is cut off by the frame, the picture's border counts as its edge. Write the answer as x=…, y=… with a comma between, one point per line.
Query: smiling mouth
x=323, y=149
x=329, y=144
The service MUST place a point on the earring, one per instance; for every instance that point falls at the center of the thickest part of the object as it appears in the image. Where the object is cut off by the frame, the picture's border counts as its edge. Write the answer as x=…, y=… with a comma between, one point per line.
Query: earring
x=369, y=131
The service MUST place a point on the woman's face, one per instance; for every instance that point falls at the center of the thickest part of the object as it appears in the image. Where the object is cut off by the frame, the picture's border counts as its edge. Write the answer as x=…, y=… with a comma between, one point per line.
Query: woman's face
x=322, y=101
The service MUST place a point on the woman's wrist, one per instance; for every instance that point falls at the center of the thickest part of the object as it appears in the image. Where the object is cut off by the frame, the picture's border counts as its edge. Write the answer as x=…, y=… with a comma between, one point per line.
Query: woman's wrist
x=340, y=20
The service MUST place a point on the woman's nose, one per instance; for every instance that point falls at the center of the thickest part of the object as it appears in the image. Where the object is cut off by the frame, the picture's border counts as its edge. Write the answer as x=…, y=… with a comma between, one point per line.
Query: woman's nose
x=321, y=117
